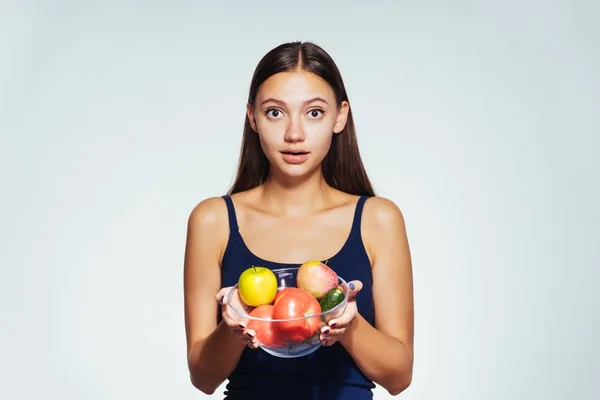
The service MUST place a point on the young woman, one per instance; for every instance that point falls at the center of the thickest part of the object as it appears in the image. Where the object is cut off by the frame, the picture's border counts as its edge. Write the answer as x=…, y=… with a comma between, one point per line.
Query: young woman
x=301, y=193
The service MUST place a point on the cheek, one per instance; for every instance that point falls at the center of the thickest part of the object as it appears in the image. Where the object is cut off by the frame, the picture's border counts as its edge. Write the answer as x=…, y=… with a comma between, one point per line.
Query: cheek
x=268, y=144
x=321, y=141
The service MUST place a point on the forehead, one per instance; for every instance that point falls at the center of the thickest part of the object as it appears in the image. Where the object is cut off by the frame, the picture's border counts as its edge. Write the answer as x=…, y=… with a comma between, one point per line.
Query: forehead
x=297, y=86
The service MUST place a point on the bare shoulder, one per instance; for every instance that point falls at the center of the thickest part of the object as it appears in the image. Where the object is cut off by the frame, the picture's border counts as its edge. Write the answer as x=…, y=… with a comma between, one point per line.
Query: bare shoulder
x=383, y=223
x=383, y=215
x=380, y=210
x=210, y=212
x=209, y=220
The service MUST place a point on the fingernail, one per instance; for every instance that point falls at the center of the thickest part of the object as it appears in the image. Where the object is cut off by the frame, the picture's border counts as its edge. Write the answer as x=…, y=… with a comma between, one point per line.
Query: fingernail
x=251, y=336
x=222, y=298
x=352, y=286
x=326, y=330
x=332, y=325
x=241, y=326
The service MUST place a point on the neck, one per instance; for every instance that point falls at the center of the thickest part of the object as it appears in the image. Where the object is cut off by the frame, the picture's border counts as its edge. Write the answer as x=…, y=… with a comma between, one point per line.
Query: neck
x=299, y=196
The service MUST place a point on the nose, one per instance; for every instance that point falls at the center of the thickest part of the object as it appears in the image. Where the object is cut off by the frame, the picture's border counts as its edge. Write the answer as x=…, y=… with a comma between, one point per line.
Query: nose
x=295, y=131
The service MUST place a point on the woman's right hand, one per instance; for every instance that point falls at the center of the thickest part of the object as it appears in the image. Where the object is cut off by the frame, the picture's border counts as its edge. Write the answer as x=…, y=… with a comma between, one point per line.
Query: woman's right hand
x=235, y=322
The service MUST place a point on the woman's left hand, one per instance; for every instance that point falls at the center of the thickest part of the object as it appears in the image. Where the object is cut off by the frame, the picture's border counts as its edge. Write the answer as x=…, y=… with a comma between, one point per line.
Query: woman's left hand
x=338, y=326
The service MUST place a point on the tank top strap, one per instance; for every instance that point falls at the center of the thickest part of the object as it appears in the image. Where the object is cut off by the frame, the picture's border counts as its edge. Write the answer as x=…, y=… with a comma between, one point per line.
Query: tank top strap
x=233, y=224
x=356, y=222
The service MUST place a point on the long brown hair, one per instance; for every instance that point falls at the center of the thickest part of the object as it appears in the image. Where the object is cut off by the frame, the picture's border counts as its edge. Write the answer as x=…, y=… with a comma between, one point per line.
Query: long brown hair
x=342, y=167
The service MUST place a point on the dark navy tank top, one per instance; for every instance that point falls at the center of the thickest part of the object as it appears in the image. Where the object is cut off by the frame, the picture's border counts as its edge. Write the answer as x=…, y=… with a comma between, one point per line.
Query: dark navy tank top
x=329, y=372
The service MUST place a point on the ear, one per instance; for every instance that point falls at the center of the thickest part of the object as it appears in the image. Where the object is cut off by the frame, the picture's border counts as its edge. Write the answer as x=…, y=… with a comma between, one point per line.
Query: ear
x=342, y=117
x=250, y=114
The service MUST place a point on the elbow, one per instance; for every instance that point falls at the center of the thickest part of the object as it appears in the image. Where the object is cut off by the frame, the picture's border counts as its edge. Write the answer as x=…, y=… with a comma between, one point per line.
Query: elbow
x=199, y=378
x=209, y=391
x=400, y=384
x=208, y=388
x=402, y=378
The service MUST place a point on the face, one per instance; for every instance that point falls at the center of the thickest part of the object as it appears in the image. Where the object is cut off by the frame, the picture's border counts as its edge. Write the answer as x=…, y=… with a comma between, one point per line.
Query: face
x=296, y=116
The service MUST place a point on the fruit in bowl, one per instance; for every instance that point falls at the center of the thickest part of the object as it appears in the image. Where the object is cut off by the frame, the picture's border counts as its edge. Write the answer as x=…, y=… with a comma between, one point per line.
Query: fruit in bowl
x=261, y=322
x=290, y=324
x=297, y=314
x=316, y=278
x=257, y=286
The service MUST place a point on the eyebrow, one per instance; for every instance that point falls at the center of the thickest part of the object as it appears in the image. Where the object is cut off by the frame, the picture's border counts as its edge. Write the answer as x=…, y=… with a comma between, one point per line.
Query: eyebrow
x=314, y=99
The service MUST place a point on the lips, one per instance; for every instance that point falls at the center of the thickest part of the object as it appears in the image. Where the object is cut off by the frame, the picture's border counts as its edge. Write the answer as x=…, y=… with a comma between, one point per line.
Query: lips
x=295, y=156
x=295, y=152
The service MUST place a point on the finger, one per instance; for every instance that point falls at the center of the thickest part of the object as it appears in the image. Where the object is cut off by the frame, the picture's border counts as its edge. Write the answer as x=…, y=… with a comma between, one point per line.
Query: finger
x=330, y=335
x=221, y=296
x=337, y=331
x=324, y=339
x=251, y=339
x=343, y=321
x=327, y=340
x=249, y=333
x=354, y=287
x=238, y=308
x=235, y=325
x=333, y=331
x=330, y=331
x=232, y=317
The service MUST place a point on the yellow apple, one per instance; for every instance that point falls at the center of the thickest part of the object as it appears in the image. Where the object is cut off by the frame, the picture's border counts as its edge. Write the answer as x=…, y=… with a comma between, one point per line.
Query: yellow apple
x=257, y=286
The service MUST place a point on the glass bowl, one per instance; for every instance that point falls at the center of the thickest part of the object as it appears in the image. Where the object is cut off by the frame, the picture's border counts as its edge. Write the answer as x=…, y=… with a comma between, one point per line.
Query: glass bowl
x=291, y=337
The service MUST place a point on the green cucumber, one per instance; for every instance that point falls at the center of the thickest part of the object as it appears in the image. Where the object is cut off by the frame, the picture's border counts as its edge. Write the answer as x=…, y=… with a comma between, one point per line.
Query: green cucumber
x=331, y=299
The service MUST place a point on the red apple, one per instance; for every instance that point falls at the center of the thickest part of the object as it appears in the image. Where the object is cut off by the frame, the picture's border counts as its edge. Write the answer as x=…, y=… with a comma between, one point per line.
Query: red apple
x=296, y=306
x=265, y=332
x=280, y=292
x=316, y=278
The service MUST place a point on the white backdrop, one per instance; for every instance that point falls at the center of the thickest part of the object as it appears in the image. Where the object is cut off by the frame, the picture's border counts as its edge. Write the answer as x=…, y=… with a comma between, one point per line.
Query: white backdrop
x=480, y=120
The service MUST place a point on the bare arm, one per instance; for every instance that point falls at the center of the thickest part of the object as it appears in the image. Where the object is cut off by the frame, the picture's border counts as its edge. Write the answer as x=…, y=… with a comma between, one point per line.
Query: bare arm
x=385, y=353
x=213, y=351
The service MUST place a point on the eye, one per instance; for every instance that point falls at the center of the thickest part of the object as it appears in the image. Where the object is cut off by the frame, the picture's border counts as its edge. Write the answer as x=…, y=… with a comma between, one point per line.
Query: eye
x=273, y=113
x=315, y=113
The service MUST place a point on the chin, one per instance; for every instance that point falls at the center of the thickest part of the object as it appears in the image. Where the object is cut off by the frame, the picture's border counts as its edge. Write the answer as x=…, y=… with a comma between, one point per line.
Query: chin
x=297, y=171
